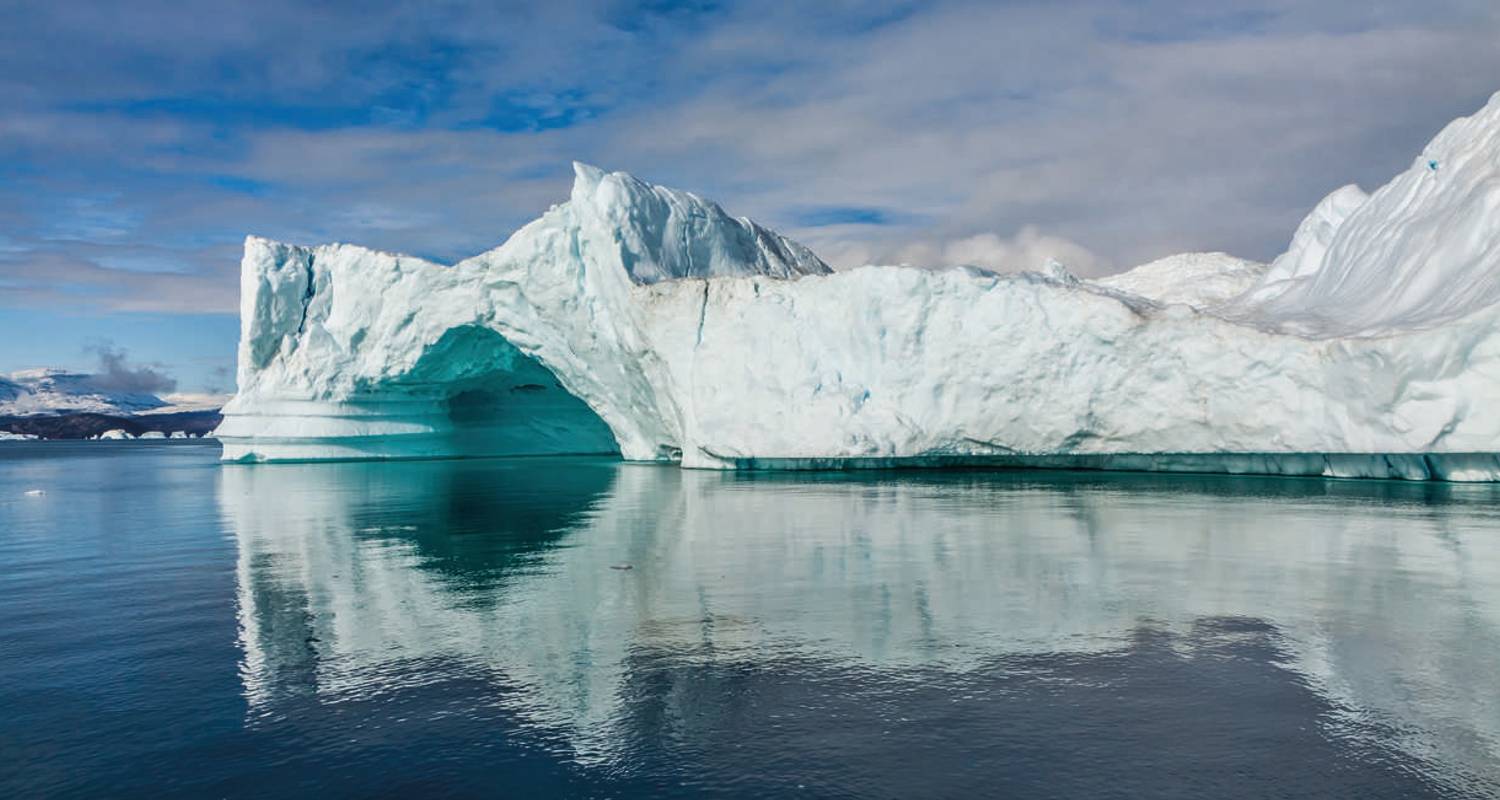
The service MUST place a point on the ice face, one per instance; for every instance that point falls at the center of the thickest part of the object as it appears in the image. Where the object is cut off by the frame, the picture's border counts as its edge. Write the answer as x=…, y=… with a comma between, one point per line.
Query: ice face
x=647, y=321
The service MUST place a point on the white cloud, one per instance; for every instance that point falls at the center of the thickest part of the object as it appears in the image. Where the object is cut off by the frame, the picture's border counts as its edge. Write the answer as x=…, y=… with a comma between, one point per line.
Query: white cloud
x=1103, y=134
x=992, y=118
x=1028, y=249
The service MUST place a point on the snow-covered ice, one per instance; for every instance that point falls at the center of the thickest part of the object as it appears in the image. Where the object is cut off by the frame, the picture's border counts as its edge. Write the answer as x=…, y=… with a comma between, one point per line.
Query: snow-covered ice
x=115, y=434
x=644, y=320
x=56, y=391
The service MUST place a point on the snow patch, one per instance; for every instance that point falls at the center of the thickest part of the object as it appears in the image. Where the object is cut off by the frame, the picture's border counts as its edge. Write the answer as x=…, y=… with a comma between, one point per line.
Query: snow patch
x=1200, y=280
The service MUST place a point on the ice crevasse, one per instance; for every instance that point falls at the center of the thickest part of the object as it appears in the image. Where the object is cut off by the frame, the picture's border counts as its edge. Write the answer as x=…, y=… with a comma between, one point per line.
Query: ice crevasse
x=646, y=321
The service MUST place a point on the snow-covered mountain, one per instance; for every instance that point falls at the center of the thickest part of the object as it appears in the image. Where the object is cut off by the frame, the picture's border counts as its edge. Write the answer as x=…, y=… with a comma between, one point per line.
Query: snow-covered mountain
x=646, y=320
x=55, y=391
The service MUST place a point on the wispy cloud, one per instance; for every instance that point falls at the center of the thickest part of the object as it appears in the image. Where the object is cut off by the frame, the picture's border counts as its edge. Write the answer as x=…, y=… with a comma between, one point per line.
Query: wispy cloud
x=1028, y=249
x=116, y=373
x=1099, y=133
x=81, y=281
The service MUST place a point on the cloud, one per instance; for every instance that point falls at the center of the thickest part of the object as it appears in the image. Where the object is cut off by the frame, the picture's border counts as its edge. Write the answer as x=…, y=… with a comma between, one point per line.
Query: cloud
x=220, y=380
x=139, y=143
x=1028, y=249
x=115, y=373
x=1118, y=135
x=196, y=401
x=77, y=279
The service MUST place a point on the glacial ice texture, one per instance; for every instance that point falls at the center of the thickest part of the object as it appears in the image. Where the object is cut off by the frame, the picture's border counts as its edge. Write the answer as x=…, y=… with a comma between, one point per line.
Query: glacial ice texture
x=646, y=321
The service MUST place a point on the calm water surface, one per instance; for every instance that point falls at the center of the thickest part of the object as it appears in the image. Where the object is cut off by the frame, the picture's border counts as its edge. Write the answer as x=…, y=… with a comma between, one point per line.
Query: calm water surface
x=170, y=626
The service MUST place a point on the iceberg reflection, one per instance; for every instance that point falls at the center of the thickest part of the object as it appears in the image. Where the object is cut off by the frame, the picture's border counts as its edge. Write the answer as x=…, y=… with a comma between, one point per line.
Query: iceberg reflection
x=1377, y=604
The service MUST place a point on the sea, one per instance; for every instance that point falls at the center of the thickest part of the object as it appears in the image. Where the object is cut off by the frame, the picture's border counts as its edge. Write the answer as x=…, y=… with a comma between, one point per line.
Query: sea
x=171, y=626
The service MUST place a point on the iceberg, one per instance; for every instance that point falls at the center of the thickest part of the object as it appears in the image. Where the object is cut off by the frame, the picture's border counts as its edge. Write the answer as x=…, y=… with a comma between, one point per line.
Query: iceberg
x=645, y=321
x=8, y=436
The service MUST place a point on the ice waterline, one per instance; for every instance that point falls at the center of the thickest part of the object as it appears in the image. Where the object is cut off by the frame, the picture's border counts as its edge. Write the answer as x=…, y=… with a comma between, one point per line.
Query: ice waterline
x=646, y=321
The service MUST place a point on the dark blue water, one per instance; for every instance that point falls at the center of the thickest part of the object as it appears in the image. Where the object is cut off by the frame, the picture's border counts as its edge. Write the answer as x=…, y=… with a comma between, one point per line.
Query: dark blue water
x=173, y=627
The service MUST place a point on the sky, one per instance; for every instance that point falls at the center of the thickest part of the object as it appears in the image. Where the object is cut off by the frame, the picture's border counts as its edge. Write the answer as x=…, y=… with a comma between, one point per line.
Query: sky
x=140, y=142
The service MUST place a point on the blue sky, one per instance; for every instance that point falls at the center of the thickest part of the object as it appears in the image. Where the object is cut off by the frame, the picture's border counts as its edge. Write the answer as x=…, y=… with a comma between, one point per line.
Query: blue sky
x=141, y=141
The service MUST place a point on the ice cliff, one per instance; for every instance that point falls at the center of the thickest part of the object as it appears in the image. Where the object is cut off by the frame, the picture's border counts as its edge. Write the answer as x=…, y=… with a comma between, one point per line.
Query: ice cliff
x=647, y=321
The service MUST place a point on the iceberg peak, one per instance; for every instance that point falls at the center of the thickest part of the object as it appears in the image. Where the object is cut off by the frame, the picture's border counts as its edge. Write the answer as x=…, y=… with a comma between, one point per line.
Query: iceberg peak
x=1421, y=252
x=668, y=234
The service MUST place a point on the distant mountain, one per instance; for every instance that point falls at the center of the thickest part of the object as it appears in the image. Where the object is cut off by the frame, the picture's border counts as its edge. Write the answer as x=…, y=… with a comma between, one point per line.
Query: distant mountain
x=59, y=404
x=55, y=391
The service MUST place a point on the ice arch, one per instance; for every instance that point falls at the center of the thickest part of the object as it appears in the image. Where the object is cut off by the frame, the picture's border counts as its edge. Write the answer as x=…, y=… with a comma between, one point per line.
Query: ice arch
x=497, y=399
x=506, y=401
x=470, y=393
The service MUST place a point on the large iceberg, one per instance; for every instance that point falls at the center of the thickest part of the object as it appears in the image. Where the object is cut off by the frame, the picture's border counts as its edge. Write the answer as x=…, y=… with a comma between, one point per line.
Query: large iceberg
x=646, y=321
